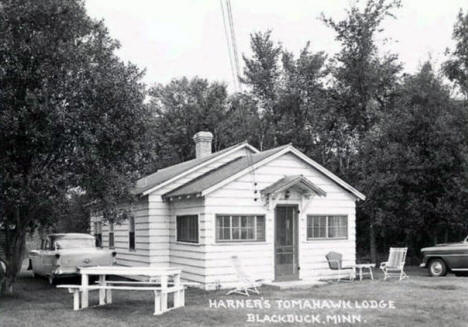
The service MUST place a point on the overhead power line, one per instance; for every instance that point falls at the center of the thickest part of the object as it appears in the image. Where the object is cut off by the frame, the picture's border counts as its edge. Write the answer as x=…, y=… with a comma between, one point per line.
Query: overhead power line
x=230, y=34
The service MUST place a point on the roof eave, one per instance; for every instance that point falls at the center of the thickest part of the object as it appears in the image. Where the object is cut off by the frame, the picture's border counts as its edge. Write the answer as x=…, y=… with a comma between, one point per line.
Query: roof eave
x=242, y=172
x=290, y=148
x=241, y=145
x=171, y=198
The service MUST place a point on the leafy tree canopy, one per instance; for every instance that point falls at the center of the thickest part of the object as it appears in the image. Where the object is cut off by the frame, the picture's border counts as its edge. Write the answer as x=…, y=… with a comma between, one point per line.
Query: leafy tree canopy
x=71, y=115
x=456, y=68
x=182, y=108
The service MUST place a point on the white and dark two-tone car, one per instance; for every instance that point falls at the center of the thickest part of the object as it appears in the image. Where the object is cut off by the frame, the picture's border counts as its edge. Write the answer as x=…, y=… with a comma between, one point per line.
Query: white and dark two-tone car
x=61, y=255
x=446, y=257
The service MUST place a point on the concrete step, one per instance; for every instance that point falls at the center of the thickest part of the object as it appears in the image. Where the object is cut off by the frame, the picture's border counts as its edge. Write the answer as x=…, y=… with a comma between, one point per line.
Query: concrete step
x=300, y=284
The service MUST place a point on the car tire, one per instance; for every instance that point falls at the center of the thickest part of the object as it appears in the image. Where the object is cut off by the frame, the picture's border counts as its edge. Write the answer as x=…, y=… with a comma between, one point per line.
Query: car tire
x=437, y=268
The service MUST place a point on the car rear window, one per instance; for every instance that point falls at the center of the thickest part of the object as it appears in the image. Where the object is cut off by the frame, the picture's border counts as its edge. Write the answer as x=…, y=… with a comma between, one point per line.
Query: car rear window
x=75, y=244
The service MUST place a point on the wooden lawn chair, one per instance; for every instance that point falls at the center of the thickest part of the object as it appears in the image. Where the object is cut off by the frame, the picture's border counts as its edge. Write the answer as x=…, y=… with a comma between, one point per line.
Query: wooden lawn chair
x=393, y=267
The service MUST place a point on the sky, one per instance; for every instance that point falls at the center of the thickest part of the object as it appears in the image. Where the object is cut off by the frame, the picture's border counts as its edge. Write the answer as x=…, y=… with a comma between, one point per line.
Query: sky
x=171, y=39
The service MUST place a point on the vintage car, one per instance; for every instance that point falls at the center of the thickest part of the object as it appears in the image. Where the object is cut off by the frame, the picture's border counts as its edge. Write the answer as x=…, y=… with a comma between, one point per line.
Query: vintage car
x=61, y=255
x=446, y=257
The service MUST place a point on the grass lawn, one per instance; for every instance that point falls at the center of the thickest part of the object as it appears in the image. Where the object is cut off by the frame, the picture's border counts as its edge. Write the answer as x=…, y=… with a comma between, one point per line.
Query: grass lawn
x=419, y=301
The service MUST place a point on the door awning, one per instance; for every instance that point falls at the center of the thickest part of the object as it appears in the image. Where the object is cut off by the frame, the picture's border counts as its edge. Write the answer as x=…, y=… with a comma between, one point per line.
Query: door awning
x=298, y=182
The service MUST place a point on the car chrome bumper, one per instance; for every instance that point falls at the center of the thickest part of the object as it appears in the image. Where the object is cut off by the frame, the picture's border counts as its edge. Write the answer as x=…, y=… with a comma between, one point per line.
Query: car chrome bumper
x=66, y=271
x=422, y=265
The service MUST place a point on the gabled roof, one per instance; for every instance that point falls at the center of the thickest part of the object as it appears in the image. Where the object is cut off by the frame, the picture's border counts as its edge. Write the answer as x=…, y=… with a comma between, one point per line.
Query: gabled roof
x=295, y=180
x=213, y=177
x=217, y=178
x=148, y=183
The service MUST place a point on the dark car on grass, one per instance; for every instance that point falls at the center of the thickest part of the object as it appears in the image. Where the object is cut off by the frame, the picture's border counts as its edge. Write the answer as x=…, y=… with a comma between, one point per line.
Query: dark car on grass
x=442, y=258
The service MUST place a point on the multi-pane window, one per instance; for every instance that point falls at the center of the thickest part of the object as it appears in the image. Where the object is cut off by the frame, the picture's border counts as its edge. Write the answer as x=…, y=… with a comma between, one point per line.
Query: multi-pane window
x=240, y=228
x=187, y=228
x=131, y=233
x=98, y=233
x=327, y=227
x=111, y=235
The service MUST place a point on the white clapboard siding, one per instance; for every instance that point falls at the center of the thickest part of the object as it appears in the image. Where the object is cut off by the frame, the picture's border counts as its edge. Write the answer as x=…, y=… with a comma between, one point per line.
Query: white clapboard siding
x=238, y=197
x=162, y=223
x=140, y=256
x=155, y=236
x=208, y=262
x=188, y=257
x=158, y=231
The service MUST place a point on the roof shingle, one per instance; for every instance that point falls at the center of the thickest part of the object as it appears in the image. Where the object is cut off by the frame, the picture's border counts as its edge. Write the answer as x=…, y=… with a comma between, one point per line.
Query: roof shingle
x=215, y=176
x=148, y=182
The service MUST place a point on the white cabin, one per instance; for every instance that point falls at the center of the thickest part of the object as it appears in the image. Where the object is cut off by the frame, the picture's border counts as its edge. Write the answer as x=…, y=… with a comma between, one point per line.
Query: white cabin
x=279, y=211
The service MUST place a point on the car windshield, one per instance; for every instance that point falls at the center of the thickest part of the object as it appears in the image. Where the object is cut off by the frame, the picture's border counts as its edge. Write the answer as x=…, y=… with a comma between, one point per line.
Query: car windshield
x=74, y=243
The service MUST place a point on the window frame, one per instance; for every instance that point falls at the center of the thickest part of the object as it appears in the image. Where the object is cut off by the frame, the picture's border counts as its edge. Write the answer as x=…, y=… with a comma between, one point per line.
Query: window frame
x=327, y=219
x=197, y=242
x=98, y=236
x=131, y=234
x=231, y=240
x=111, y=233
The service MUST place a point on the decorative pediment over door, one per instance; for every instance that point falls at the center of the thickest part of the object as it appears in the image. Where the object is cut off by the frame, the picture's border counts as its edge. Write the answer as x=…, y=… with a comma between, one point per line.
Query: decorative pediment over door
x=285, y=187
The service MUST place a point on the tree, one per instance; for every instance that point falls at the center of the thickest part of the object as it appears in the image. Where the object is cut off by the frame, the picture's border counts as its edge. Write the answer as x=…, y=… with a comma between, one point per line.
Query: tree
x=74, y=214
x=364, y=84
x=290, y=94
x=71, y=115
x=416, y=168
x=301, y=106
x=182, y=108
x=262, y=74
x=243, y=121
x=456, y=67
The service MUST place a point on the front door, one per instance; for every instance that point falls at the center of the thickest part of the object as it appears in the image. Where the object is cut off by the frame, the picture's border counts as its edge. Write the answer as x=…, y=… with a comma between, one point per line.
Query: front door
x=286, y=258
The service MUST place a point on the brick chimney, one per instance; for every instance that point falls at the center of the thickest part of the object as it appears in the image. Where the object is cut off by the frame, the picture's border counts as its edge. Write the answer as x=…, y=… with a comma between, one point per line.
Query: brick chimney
x=202, y=144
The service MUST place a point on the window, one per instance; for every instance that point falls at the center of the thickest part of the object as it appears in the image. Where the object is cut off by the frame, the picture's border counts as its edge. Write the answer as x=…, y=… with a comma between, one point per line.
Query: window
x=98, y=233
x=328, y=227
x=131, y=233
x=187, y=229
x=240, y=228
x=111, y=235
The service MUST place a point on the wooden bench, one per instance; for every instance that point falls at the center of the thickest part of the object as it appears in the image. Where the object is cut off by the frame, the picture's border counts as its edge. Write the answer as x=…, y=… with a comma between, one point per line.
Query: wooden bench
x=76, y=290
x=160, y=293
x=131, y=282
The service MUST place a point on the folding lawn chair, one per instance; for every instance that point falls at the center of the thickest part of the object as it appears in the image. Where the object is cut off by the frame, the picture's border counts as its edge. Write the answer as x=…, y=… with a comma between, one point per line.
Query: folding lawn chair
x=393, y=267
x=245, y=284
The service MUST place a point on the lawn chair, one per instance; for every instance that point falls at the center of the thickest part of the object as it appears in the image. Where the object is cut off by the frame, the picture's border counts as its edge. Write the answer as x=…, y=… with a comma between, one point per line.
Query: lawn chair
x=393, y=267
x=245, y=283
x=335, y=260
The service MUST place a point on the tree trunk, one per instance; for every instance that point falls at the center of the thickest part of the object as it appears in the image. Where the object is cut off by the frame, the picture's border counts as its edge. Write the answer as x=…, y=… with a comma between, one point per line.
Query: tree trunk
x=409, y=240
x=384, y=239
x=372, y=244
x=14, y=259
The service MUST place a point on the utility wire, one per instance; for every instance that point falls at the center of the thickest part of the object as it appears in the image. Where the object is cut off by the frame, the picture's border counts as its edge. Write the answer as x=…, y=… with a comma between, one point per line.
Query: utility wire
x=234, y=43
x=228, y=42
